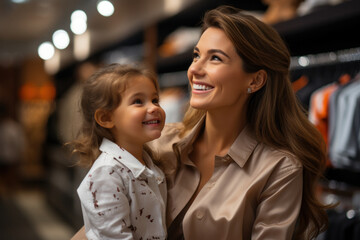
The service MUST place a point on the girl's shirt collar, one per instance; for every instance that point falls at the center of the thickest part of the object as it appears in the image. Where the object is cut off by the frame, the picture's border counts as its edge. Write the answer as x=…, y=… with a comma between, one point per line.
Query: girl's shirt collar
x=134, y=165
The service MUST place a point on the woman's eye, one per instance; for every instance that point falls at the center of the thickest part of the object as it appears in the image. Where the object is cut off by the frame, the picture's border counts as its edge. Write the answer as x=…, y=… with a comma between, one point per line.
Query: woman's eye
x=216, y=58
x=195, y=55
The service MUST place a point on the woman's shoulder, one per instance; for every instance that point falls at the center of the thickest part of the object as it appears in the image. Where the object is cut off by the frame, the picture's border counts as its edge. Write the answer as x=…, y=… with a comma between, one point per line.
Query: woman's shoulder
x=250, y=150
x=280, y=157
x=172, y=128
x=169, y=135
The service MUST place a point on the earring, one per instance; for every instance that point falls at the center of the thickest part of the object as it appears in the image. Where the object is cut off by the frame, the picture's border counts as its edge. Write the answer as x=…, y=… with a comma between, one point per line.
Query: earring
x=249, y=90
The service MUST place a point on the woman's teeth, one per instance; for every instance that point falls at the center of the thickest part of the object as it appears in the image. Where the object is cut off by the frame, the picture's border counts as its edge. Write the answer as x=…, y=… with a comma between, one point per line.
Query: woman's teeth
x=201, y=87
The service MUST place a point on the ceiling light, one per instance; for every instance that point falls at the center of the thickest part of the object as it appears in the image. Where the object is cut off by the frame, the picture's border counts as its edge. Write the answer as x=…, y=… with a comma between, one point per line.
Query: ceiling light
x=303, y=61
x=46, y=50
x=105, y=8
x=78, y=23
x=78, y=15
x=78, y=27
x=19, y=1
x=61, y=39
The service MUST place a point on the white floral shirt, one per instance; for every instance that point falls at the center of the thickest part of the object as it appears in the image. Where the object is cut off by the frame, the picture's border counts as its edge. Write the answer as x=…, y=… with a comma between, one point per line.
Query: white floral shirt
x=121, y=198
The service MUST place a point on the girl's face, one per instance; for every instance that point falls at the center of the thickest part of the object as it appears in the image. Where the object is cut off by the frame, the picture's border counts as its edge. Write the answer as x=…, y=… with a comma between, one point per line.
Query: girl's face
x=139, y=117
x=216, y=76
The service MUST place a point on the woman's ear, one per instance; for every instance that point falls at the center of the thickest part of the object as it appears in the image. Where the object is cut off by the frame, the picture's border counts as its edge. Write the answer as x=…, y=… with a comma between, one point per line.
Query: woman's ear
x=258, y=80
x=104, y=118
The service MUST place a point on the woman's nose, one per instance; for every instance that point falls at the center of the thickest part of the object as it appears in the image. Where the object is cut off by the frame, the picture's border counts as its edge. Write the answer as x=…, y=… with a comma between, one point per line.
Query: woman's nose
x=196, y=67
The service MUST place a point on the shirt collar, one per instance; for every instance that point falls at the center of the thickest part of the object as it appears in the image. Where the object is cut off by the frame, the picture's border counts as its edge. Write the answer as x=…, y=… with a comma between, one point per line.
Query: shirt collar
x=123, y=156
x=243, y=146
x=239, y=151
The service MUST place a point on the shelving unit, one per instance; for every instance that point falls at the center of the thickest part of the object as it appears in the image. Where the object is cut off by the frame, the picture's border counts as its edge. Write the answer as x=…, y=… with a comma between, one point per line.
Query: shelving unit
x=330, y=28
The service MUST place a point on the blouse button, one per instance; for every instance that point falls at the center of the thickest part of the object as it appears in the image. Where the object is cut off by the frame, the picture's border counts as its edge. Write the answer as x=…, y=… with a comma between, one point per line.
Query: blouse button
x=199, y=214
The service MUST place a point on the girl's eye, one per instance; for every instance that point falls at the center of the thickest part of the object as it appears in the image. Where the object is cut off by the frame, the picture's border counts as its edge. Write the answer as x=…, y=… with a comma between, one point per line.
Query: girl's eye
x=155, y=101
x=137, y=101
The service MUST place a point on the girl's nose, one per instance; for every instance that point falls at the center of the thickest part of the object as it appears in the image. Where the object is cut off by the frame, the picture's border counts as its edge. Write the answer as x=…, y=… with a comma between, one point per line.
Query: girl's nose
x=153, y=108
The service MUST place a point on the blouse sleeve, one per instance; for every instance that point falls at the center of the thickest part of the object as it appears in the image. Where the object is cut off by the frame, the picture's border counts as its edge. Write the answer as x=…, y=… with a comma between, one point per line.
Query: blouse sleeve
x=279, y=205
x=105, y=206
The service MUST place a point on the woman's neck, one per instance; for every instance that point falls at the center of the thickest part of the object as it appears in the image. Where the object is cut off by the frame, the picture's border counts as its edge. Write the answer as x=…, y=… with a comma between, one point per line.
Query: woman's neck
x=222, y=129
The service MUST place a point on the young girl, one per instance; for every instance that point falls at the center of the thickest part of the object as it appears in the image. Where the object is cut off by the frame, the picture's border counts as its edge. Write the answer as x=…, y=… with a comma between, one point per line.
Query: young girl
x=123, y=196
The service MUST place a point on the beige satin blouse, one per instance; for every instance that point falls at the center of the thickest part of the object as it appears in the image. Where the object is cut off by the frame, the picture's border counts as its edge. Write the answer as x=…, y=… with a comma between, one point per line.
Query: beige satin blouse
x=254, y=193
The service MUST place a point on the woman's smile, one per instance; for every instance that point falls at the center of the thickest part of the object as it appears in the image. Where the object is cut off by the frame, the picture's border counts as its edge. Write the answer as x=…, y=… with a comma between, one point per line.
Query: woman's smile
x=199, y=87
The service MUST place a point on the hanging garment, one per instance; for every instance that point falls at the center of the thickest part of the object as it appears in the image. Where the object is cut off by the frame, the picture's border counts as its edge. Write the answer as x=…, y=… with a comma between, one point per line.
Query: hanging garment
x=344, y=133
x=319, y=107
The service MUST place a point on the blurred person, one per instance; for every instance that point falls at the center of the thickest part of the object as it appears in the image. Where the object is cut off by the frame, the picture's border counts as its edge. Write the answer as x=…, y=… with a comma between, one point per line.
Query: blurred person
x=123, y=196
x=68, y=109
x=12, y=146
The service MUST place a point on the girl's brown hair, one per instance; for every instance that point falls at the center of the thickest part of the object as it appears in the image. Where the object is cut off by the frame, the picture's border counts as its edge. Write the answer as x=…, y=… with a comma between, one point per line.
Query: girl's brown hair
x=102, y=91
x=274, y=113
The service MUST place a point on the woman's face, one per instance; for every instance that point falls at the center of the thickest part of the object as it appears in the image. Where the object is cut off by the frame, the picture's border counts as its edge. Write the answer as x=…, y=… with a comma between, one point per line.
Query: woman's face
x=216, y=76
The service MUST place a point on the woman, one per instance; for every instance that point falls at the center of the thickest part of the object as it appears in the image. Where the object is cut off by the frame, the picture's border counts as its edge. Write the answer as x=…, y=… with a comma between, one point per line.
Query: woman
x=244, y=163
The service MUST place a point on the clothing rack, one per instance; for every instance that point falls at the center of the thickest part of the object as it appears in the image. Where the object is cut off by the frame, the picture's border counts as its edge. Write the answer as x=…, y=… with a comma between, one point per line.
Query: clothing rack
x=342, y=56
x=344, y=218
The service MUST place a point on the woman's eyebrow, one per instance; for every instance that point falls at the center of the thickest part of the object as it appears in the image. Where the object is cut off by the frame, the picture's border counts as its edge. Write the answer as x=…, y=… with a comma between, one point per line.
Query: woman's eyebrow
x=218, y=51
x=213, y=51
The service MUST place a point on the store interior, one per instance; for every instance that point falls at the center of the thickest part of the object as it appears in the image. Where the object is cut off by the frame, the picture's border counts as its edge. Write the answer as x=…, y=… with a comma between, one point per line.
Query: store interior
x=39, y=94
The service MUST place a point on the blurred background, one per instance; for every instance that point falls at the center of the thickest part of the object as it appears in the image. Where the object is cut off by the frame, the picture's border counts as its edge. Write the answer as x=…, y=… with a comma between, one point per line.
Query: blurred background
x=48, y=47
